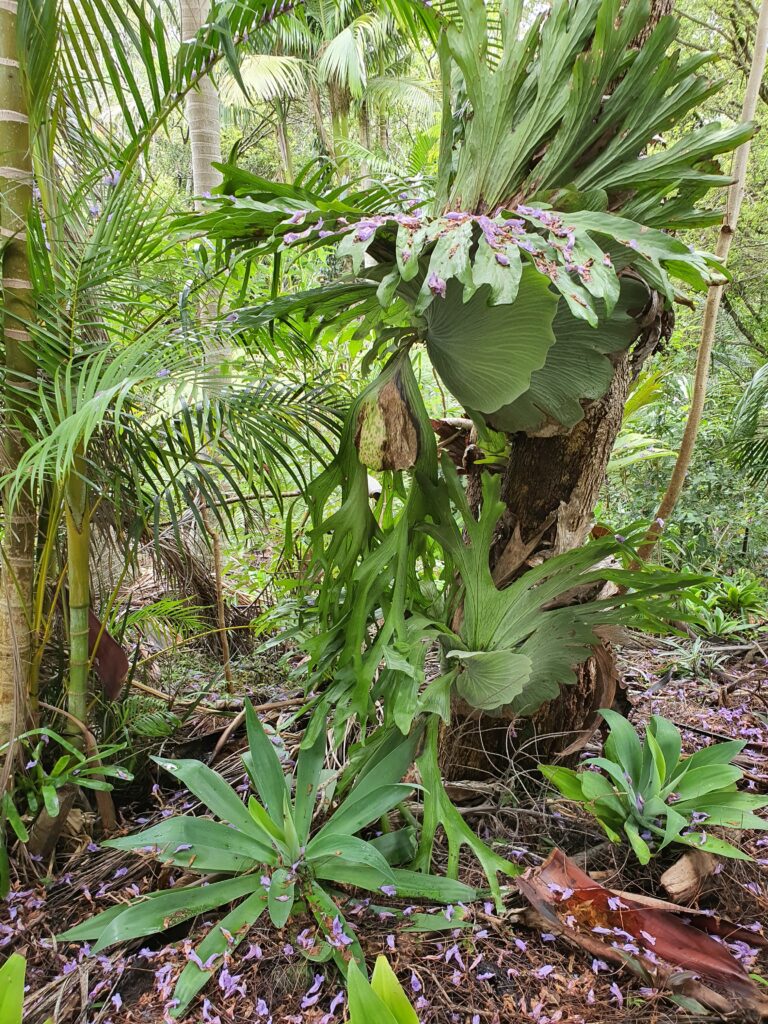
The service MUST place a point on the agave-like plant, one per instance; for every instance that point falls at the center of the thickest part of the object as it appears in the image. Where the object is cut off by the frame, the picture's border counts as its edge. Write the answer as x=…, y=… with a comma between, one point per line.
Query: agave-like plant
x=272, y=856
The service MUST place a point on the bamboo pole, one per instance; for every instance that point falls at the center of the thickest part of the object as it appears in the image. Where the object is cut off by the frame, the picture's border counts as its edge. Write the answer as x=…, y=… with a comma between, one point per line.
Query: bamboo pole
x=714, y=297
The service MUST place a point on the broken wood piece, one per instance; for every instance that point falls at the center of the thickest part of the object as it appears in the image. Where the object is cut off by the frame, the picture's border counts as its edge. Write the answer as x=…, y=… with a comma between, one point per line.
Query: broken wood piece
x=687, y=879
x=45, y=832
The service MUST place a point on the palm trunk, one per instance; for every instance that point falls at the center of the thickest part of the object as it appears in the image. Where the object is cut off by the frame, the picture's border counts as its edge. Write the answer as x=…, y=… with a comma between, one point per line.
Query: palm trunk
x=316, y=106
x=17, y=570
x=340, y=121
x=78, y=552
x=283, y=143
x=202, y=107
x=364, y=124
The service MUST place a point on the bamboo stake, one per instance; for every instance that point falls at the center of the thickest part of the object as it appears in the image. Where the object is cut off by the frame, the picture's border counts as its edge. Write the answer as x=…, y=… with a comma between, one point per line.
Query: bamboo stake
x=724, y=240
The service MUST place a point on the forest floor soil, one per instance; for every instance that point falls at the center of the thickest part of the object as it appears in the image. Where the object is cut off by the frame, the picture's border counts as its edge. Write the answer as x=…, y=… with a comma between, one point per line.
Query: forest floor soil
x=477, y=966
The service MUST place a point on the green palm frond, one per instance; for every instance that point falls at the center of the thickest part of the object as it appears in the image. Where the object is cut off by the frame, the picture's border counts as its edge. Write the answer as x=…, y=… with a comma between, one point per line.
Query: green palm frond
x=126, y=54
x=343, y=58
x=266, y=77
x=748, y=440
x=417, y=94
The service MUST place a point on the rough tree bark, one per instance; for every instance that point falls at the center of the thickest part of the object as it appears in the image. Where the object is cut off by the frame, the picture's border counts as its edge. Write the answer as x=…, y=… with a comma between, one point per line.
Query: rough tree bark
x=19, y=525
x=550, y=488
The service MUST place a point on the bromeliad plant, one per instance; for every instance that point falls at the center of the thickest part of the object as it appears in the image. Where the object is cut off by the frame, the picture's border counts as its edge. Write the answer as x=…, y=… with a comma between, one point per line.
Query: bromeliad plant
x=655, y=797
x=269, y=857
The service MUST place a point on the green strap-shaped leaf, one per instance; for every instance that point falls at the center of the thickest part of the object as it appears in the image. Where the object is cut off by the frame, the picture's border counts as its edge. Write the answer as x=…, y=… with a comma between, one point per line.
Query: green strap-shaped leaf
x=308, y=769
x=223, y=937
x=281, y=896
x=12, y=989
x=198, y=843
x=365, y=1006
x=389, y=990
x=360, y=810
x=209, y=787
x=159, y=912
x=268, y=776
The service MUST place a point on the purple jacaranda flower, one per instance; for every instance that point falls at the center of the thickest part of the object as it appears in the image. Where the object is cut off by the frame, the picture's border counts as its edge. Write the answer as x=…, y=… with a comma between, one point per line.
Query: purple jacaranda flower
x=436, y=285
x=650, y=939
x=338, y=938
x=254, y=952
x=617, y=994
x=521, y=944
x=502, y=259
x=544, y=971
x=162, y=981
x=548, y=937
x=230, y=983
x=449, y=912
x=364, y=232
x=288, y=949
x=69, y=967
x=488, y=907
x=112, y=178
x=298, y=217
x=452, y=953
x=415, y=983
x=336, y=1002
x=391, y=941
x=615, y=903
x=30, y=765
x=261, y=1008
x=388, y=890
x=599, y=965
x=117, y=1000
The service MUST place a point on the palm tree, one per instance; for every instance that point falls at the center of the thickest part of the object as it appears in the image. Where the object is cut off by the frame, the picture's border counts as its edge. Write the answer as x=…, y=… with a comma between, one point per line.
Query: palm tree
x=538, y=276
x=18, y=545
x=353, y=55
x=98, y=365
x=202, y=108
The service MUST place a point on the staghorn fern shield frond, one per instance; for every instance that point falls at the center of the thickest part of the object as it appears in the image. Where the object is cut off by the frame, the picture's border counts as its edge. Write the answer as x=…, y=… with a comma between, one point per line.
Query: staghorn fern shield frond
x=536, y=256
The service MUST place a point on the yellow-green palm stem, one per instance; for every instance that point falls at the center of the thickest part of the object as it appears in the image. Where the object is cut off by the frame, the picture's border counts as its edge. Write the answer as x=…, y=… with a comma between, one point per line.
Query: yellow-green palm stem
x=78, y=552
x=17, y=310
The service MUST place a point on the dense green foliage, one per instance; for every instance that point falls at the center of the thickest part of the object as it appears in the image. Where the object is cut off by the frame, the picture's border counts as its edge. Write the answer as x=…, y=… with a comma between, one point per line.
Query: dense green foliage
x=459, y=214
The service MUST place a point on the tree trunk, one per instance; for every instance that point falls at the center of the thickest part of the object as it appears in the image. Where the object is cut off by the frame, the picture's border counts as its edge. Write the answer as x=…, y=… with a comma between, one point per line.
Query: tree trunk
x=202, y=106
x=316, y=105
x=550, y=488
x=283, y=142
x=17, y=569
